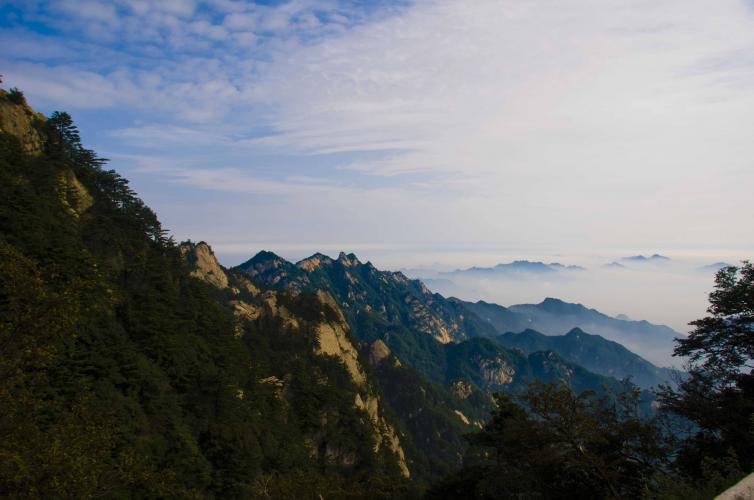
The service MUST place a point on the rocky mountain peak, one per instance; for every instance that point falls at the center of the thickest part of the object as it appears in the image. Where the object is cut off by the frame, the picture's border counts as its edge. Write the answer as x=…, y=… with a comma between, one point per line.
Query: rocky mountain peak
x=19, y=120
x=349, y=260
x=204, y=264
x=313, y=262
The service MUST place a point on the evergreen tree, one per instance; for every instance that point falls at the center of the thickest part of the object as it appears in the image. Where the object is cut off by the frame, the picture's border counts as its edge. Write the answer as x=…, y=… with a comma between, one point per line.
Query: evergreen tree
x=554, y=443
x=717, y=398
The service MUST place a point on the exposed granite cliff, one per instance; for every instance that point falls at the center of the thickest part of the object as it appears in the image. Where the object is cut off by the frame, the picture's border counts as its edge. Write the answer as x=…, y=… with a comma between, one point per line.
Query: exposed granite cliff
x=361, y=289
x=333, y=339
x=18, y=119
x=204, y=264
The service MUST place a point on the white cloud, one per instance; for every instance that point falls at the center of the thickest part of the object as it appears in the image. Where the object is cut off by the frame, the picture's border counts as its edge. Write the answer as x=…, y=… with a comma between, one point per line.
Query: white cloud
x=589, y=123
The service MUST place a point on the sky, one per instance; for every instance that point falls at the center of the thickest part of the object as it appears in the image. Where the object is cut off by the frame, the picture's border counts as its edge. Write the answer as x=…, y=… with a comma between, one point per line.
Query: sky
x=413, y=132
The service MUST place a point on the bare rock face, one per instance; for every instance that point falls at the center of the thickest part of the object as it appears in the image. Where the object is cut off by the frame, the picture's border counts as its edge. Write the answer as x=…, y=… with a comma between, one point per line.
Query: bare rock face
x=271, y=309
x=247, y=285
x=73, y=195
x=463, y=417
x=495, y=371
x=349, y=260
x=334, y=341
x=21, y=121
x=461, y=388
x=244, y=310
x=205, y=266
x=743, y=490
x=313, y=262
x=378, y=352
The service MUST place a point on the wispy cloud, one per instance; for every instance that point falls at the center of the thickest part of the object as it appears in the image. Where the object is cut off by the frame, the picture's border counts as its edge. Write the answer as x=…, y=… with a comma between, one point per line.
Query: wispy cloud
x=591, y=123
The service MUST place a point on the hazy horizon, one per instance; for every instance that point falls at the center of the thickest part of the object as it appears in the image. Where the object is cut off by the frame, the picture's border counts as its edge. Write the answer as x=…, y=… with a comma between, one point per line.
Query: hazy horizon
x=682, y=284
x=421, y=133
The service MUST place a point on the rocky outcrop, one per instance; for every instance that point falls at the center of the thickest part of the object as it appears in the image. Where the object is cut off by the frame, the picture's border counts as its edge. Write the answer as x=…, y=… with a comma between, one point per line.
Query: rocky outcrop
x=349, y=260
x=360, y=288
x=378, y=352
x=495, y=371
x=461, y=388
x=313, y=262
x=245, y=310
x=743, y=490
x=18, y=119
x=73, y=195
x=333, y=340
x=272, y=309
x=204, y=264
x=463, y=417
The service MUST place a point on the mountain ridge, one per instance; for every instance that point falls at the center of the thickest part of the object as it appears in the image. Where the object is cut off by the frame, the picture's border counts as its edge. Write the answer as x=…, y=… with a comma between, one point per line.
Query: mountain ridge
x=594, y=353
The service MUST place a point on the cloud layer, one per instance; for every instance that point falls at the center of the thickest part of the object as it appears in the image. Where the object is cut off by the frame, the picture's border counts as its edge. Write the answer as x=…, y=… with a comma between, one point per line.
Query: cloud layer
x=594, y=124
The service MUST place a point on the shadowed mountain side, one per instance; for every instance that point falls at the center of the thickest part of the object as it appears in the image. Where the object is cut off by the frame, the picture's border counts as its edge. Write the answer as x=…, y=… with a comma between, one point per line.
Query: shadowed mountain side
x=556, y=317
x=363, y=289
x=416, y=324
x=594, y=353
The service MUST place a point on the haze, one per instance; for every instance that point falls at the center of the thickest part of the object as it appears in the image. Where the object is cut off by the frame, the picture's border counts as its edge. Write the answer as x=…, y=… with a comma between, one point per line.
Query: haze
x=500, y=130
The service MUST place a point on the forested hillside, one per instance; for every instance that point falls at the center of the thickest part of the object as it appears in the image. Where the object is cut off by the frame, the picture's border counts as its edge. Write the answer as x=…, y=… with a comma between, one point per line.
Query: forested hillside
x=132, y=366
x=122, y=375
x=594, y=353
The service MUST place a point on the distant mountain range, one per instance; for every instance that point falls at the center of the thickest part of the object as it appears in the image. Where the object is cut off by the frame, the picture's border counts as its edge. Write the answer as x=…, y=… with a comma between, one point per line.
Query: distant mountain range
x=593, y=352
x=516, y=267
x=556, y=317
x=210, y=382
x=714, y=267
x=435, y=359
x=641, y=258
x=425, y=328
x=364, y=291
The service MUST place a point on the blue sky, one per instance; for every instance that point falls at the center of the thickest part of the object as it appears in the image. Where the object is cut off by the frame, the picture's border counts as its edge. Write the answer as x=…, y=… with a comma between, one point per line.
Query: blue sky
x=389, y=128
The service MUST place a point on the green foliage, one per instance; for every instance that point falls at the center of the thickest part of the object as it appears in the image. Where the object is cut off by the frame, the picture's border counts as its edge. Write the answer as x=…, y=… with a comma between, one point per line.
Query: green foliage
x=555, y=443
x=722, y=343
x=717, y=400
x=433, y=441
x=122, y=376
x=594, y=353
x=16, y=96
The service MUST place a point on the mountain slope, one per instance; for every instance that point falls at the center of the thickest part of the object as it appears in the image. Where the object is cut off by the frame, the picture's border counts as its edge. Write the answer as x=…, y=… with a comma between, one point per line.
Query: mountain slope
x=362, y=289
x=593, y=353
x=553, y=316
x=387, y=307
x=130, y=369
x=556, y=317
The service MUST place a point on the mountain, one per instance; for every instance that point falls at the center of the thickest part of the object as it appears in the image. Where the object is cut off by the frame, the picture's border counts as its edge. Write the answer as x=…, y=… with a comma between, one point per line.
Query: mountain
x=554, y=316
x=317, y=315
x=641, y=258
x=501, y=318
x=516, y=267
x=137, y=367
x=423, y=423
x=593, y=352
x=387, y=307
x=714, y=267
x=363, y=289
x=134, y=367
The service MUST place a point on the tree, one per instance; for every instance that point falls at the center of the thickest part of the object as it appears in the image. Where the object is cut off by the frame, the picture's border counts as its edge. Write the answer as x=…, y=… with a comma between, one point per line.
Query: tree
x=723, y=342
x=16, y=96
x=716, y=400
x=558, y=444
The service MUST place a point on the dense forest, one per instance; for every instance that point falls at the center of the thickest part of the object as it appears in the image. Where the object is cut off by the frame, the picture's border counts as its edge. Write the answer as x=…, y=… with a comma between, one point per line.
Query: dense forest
x=124, y=374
